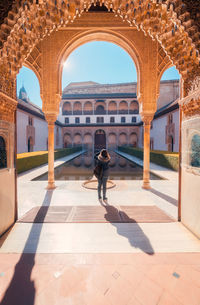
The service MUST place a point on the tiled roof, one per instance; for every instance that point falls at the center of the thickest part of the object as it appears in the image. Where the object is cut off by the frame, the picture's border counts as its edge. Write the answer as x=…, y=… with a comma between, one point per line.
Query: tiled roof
x=99, y=95
x=167, y=108
x=33, y=109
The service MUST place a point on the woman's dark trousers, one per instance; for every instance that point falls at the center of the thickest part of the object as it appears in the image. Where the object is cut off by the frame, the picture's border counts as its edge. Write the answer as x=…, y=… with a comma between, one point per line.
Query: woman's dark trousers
x=101, y=182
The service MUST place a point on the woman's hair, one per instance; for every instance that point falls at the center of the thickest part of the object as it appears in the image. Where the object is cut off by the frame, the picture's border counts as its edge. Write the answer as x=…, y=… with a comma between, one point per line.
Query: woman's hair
x=104, y=153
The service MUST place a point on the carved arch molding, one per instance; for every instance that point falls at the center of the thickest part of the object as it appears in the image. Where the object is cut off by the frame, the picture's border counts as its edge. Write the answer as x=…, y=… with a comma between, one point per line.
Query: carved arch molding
x=25, y=23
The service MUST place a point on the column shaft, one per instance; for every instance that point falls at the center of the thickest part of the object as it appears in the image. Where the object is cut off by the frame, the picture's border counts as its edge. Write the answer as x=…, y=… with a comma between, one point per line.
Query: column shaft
x=146, y=159
x=51, y=181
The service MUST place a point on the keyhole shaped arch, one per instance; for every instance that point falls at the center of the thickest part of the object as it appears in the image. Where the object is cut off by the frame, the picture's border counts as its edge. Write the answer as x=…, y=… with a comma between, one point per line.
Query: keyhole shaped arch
x=98, y=35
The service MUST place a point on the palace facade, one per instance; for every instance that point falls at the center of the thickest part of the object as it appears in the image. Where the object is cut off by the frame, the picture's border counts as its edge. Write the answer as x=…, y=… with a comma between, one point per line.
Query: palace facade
x=100, y=115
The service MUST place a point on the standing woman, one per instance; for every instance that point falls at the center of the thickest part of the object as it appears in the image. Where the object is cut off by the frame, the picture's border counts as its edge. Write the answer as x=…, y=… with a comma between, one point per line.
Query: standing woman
x=103, y=160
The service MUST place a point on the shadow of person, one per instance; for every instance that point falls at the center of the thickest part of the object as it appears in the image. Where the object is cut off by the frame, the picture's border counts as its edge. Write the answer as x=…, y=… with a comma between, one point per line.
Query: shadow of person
x=133, y=233
x=21, y=290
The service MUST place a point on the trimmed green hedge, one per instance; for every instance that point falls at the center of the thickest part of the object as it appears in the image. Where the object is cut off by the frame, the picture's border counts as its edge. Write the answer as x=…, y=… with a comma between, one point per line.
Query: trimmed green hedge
x=163, y=158
x=34, y=159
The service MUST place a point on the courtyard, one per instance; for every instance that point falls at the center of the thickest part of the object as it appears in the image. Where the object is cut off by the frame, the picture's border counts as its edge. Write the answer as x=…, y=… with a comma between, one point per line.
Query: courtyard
x=89, y=256
x=60, y=244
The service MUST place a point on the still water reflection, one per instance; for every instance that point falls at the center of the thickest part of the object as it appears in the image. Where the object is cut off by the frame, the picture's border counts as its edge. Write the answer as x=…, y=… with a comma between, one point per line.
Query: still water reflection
x=81, y=168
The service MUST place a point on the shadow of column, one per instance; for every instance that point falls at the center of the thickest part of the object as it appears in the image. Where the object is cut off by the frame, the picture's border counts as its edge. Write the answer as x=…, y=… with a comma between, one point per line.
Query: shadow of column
x=164, y=196
x=136, y=238
x=21, y=290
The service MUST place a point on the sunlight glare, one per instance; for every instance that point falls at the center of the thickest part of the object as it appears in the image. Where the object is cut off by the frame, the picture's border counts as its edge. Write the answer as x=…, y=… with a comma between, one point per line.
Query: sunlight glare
x=67, y=64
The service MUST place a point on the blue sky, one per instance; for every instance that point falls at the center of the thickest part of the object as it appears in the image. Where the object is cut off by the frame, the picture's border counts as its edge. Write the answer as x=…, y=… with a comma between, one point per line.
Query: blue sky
x=101, y=62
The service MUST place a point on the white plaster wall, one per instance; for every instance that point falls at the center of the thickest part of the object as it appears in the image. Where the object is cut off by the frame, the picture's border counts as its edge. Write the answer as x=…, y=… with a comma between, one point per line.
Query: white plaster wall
x=41, y=134
x=60, y=142
x=158, y=133
x=93, y=118
x=169, y=91
x=140, y=141
x=176, y=121
x=190, y=176
x=190, y=201
x=22, y=122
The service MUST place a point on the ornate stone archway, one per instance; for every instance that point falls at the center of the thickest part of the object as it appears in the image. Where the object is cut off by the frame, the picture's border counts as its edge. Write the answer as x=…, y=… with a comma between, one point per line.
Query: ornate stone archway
x=42, y=33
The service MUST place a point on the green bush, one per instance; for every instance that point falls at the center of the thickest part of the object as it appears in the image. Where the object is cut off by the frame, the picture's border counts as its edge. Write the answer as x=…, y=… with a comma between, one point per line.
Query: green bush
x=31, y=160
x=163, y=158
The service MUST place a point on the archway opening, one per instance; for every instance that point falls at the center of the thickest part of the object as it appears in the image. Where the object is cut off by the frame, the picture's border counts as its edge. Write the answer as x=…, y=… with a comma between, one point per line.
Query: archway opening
x=3, y=153
x=99, y=140
x=30, y=144
x=88, y=88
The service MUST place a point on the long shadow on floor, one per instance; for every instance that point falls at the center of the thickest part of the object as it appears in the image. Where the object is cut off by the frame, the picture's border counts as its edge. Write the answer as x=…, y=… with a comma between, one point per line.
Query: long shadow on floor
x=136, y=238
x=21, y=290
x=164, y=196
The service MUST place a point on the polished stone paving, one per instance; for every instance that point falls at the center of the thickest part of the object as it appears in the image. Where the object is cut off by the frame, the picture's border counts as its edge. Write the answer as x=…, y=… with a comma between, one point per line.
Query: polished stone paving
x=100, y=279
x=99, y=263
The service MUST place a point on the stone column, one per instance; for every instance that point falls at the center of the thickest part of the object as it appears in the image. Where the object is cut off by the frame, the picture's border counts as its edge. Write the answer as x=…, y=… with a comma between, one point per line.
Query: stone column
x=51, y=123
x=146, y=159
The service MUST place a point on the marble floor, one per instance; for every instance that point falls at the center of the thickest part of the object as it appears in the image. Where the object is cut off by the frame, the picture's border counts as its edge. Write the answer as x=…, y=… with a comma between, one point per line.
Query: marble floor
x=99, y=263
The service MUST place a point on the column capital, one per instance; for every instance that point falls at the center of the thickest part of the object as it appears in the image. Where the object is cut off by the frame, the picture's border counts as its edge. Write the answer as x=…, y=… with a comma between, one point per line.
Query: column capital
x=147, y=118
x=51, y=118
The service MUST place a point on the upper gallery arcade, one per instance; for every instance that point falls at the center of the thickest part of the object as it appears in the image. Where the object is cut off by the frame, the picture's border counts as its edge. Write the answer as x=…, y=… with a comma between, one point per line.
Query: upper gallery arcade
x=41, y=34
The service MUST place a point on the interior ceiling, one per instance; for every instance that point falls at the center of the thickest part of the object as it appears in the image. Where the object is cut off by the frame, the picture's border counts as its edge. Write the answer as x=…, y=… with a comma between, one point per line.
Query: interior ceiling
x=5, y=7
x=192, y=6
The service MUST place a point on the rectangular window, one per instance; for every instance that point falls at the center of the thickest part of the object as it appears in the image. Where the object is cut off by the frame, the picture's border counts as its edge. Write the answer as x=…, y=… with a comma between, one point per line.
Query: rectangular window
x=77, y=120
x=30, y=121
x=100, y=119
x=123, y=119
x=87, y=120
x=133, y=119
x=112, y=119
x=66, y=120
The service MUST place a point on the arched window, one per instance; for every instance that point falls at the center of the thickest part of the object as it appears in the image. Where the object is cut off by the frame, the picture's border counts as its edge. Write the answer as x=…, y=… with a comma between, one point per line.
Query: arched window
x=87, y=109
x=67, y=108
x=67, y=140
x=77, y=139
x=3, y=155
x=123, y=107
x=100, y=110
x=77, y=109
x=195, y=151
x=133, y=139
x=134, y=107
x=112, y=107
x=123, y=139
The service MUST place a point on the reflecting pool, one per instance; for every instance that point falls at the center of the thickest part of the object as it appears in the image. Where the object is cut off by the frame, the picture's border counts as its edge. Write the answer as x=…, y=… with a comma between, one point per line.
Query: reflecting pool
x=81, y=168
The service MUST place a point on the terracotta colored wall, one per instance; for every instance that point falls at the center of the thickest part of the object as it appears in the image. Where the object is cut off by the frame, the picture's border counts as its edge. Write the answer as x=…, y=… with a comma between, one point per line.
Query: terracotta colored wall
x=7, y=179
x=7, y=199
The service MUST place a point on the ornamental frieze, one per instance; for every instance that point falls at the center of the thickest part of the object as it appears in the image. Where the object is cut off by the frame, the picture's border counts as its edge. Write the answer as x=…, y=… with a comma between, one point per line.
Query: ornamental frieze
x=7, y=84
x=191, y=108
x=7, y=108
